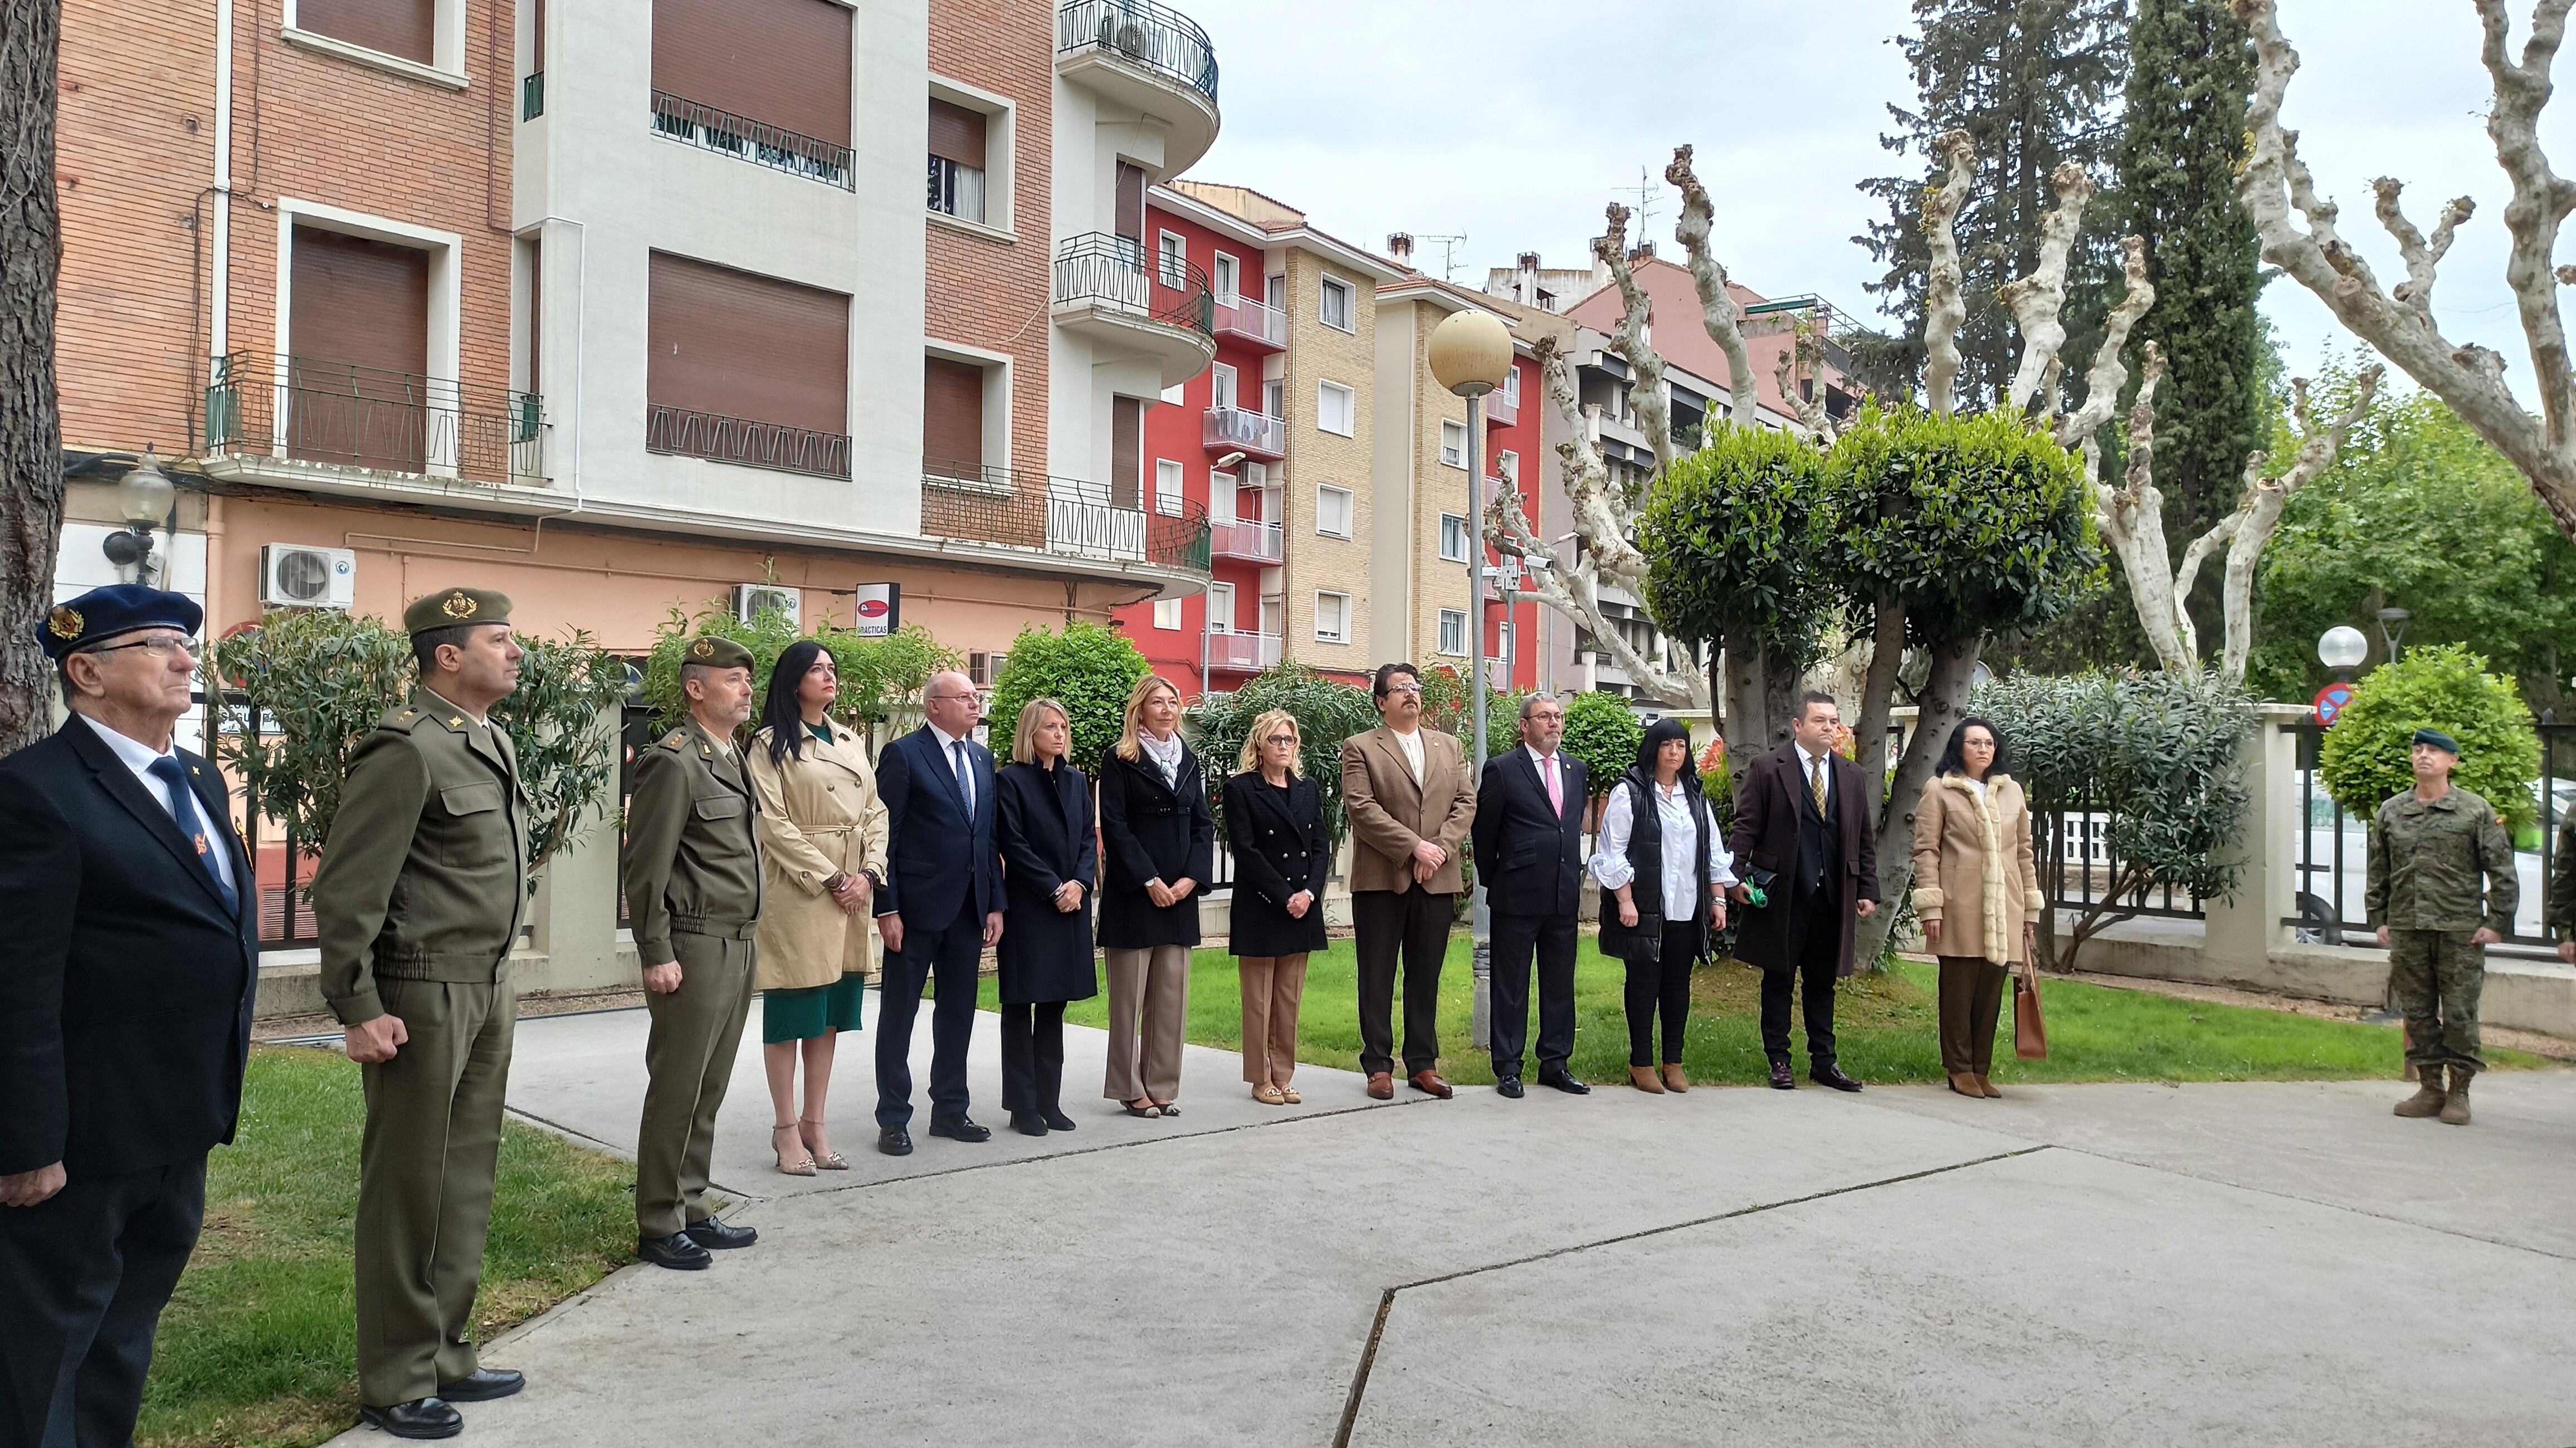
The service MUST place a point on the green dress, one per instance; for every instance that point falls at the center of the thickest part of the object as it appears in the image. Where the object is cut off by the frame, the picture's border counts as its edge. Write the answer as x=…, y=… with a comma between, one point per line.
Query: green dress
x=802, y=1015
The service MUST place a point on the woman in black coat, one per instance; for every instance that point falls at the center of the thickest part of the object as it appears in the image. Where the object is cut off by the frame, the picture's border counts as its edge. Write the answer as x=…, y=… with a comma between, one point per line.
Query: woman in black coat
x=1274, y=823
x=1050, y=859
x=1161, y=844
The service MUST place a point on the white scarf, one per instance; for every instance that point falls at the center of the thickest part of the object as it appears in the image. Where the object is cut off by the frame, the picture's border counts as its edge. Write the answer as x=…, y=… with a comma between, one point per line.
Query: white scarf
x=1166, y=754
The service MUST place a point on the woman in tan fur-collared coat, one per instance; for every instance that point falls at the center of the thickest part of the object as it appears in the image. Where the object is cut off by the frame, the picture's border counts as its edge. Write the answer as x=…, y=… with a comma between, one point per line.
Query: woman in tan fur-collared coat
x=1977, y=894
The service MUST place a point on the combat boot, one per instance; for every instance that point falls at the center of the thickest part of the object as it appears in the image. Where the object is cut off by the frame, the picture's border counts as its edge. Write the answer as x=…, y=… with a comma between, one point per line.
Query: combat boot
x=2428, y=1097
x=2455, y=1111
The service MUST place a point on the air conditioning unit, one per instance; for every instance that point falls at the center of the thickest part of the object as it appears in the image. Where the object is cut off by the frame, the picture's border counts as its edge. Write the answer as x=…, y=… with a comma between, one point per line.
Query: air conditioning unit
x=294, y=576
x=752, y=599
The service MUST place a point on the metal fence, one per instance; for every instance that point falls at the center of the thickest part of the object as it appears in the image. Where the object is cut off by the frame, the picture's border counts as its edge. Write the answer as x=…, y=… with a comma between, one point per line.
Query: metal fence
x=1017, y=509
x=314, y=410
x=1114, y=271
x=753, y=444
x=758, y=142
x=2080, y=867
x=1155, y=36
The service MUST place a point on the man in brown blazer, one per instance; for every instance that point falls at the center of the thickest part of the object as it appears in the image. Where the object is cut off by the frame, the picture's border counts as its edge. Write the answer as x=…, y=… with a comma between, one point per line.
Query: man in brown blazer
x=1411, y=801
x=1802, y=817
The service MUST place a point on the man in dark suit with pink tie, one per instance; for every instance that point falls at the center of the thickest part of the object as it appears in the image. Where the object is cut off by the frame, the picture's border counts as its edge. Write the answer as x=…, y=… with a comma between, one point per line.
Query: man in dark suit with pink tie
x=1528, y=839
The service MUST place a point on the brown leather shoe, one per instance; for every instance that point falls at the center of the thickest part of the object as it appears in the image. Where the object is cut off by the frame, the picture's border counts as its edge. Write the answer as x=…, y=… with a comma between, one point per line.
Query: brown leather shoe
x=1965, y=1083
x=1988, y=1087
x=1674, y=1080
x=1382, y=1085
x=1429, y=1083
x=1645, y=1079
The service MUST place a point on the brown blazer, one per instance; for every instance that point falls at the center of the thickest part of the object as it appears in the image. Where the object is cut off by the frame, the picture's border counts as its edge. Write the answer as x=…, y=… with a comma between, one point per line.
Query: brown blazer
x=1765, y=837
x=1389, y=813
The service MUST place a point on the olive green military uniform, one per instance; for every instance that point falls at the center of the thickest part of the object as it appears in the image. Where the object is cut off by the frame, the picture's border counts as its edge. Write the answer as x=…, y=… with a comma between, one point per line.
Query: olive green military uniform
x=693, y=892
x=2426, y=862
x=418, y=900
x=2562, y=881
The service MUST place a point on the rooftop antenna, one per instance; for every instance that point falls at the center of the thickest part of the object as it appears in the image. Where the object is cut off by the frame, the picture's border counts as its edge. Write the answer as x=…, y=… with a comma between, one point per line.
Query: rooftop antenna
x=1448, y=252
x=1647, y=189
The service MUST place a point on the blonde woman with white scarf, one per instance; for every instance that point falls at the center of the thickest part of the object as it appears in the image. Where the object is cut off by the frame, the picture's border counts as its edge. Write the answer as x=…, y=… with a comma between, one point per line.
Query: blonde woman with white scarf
x=1977, y=894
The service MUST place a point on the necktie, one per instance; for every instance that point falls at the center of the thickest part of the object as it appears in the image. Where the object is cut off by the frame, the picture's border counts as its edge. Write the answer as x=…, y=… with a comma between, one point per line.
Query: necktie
x=965, y=782
x=183, y=809
x=1816, y=777
x=1555, y=791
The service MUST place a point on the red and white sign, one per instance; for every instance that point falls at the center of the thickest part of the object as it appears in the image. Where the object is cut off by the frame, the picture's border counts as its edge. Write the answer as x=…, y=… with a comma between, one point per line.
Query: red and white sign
x=2331, y=701
x=880, y=609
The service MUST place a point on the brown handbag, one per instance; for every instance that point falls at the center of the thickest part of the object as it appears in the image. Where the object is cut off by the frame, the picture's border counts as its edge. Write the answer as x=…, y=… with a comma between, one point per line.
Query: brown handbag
x=2030, y=1030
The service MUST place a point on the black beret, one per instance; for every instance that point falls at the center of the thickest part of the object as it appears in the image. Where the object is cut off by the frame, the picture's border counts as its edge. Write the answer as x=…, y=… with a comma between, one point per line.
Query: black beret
x=120, y=608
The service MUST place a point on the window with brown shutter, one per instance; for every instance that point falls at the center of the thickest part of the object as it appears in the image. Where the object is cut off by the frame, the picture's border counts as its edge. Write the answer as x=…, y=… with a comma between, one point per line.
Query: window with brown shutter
x=1131, y=204
x=729, y=348
x=357, y=337
x=952, y=418
x=1126, y=452
x=957, y=156
x=782, y=62
x=404, y=28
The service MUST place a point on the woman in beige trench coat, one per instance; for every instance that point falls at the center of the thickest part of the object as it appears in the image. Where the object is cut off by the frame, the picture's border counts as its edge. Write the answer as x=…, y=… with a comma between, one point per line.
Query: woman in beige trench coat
x=1976, y=890
x=823, y=838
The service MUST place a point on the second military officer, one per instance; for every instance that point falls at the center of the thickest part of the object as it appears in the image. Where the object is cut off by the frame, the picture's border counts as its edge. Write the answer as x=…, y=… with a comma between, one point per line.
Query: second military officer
x=2428, y=849
x=693, y=888
x=418, y=899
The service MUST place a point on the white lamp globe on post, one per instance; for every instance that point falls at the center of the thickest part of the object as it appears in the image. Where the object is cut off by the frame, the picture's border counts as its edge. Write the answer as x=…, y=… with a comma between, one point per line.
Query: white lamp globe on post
x=2342, y=648
x=144, y=499
x=1471, y=354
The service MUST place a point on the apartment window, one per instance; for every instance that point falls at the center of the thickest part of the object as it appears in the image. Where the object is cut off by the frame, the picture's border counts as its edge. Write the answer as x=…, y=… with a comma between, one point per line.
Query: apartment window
x=783, y=62
x=1129, y=218
x=403, y=29
x=1275, y=291
x=1507, y=466
x=1502, y=641
x=1274, y=397
x=358, y=342
x=1453, y=538
x=1332, y=618
x=1333, y=512
x=1453, y=631
x=1224, y=278
x=1220, y=606
x=1127, y=452
x=1512, y=385
x=1336, y=408
x=1220, y=386
x=1453, y=444
x=1167, y=613
x=1334, y=305
x=1167, y=487
x=952, y=418
x=1174, y=253
x=958, y=150
x=983, y=669
x=747, y=368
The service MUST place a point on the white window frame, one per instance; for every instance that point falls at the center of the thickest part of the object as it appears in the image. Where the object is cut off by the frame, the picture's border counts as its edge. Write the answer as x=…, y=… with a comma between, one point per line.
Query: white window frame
x=1453, y=456
x=1447, y=519
x=446, y=66
x=1507, y=466
x=1172, y=259
x=1325, y=285
x=1349, y=501
x=997, y=393
x=1350, y=403
x=1225, y=278
x=446, y=303
x=1221, y=387
x=1322, y=637
x=1220, y=608
x=1167, y=614
x=1171, y=488
x=1453, y=618
x=1512, y=385
x=1000, y=128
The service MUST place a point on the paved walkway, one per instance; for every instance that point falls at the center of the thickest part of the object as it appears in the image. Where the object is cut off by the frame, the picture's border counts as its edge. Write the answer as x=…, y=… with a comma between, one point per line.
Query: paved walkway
x=2254, y=1264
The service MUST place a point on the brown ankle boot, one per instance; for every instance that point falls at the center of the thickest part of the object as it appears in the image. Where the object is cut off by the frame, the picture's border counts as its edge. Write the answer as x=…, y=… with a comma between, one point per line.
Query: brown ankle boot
x=2428, y=1097
x=1965, y=1083
x=1674, y=1080
x=1644, y=1079
x=2455, y=1110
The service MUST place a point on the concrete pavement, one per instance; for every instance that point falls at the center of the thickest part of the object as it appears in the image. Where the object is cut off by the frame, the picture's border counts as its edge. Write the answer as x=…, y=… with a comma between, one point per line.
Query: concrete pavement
x=2092, y=1264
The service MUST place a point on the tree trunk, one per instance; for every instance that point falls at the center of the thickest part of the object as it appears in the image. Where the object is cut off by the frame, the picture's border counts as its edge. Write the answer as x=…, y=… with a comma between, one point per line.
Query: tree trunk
x=1878, y=687
x=1782, y=682
x=1945, y=703
x=31, y=459
x=1746, y=730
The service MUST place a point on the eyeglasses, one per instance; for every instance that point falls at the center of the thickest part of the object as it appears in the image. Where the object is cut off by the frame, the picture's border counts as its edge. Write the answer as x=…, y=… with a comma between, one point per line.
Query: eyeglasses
x=1404, y=688
x=160, y=647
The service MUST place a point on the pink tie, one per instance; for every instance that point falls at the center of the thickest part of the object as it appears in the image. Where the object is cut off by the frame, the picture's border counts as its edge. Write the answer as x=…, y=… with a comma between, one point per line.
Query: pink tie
x=1555, y=791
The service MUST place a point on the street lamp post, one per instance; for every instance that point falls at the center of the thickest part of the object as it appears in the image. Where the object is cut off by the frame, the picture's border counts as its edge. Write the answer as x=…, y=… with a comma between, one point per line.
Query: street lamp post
x=2342, y=648
x=2392, y=627
x=1471, y=355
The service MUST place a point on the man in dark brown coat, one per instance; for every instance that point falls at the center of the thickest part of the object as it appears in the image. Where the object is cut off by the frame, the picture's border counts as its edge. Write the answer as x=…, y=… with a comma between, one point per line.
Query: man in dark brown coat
x=1802, y=820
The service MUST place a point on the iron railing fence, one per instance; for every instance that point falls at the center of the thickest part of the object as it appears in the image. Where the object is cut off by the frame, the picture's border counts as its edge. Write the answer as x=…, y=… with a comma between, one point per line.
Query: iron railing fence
x=758, y=142
x=1155, y=36
x=1113, y=271
x=2080, y=866
x=1019, y=509
x=313, y=410
x=740, y=440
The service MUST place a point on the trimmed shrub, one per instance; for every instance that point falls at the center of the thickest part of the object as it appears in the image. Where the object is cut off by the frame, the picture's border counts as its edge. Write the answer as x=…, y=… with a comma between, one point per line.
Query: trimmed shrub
x=881, y=678
x=1327, y=713
x=1088, y=668
x=2366, y=757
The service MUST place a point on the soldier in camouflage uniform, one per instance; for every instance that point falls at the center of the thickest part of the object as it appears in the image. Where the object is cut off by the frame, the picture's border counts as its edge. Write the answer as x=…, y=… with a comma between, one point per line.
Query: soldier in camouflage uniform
x=2562, y=889
x=2429, y=847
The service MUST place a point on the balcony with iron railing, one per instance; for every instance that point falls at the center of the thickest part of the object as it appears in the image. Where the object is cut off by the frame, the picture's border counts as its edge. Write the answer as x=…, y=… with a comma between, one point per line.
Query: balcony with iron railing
x=1241, y=319
x=308, y=410
x=1009, y=508
x=1254, y=434
x=1250, y=542
x=1107, y=288
x=1241, y=653
x=679, y=432
x=776, y=147
x=1147, y=57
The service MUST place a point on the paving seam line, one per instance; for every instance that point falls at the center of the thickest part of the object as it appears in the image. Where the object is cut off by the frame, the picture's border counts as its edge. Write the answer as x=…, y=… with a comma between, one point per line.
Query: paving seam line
x=1386, y=1299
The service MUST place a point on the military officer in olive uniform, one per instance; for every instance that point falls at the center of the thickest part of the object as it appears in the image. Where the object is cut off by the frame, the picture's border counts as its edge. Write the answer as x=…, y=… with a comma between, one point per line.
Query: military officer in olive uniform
x=2428, y=849
x=2562, y=889
x=693, y=889
x=423, y=882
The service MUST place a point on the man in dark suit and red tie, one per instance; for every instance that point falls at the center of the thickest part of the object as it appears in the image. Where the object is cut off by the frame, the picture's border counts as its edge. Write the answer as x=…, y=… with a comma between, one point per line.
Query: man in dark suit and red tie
x=125, y=1006
x=1802, y=819
x=1528, y=839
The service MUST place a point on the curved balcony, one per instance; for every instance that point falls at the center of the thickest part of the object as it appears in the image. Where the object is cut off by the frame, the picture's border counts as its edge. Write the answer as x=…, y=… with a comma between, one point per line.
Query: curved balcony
x=1147, y=57
x=1108, y=290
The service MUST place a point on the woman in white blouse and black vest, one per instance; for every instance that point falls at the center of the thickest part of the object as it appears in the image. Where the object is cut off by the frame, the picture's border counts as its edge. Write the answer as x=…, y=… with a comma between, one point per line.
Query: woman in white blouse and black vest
x=1663, y=873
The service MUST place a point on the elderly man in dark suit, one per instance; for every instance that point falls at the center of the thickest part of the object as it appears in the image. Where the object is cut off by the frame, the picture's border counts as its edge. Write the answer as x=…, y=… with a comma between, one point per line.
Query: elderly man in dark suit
x=1528, y=839
x=1802, y=820
x=125, y=1005
x=939, y=908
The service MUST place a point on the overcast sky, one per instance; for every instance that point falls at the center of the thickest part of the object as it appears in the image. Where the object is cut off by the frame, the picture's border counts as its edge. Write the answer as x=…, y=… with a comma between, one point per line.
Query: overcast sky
x=1516, y=126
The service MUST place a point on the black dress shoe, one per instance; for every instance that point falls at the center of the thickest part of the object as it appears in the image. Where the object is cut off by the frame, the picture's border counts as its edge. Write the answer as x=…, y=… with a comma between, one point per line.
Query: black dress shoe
x=675, y=1251
x=1028, y=1123
x=717, y=1236
x=959, y=1128
x=1508, y=1088
x=1832, y=1075
x=419, y=1418
x=895, y=1141
x=482, y=1385
x=1056, y=1120
x=1781, y=1080
x=1563, y=1080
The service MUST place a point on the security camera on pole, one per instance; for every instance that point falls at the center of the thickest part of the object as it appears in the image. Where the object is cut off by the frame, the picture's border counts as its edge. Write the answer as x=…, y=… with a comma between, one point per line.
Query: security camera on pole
x=1471, y=355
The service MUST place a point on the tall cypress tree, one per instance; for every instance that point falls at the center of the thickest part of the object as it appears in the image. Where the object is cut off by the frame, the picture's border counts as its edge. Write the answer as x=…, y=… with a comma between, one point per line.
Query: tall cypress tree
x=2033, y=83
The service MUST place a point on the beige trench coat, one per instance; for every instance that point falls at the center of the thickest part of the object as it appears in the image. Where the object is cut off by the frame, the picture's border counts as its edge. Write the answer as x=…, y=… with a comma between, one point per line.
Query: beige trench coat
x=1973, y=869
x=818, y=814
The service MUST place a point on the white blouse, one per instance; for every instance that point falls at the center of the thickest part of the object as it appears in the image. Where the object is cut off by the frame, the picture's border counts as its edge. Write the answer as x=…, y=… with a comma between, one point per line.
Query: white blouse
x=1680, y=835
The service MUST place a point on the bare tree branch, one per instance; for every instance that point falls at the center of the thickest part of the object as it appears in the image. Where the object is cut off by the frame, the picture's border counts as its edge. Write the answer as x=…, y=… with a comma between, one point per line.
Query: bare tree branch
x=1799, y=361
x=1646, y=389
x=1944, y=310
x=1718, y=312
x=2421, y=256
x=2039, y=300
x=2109, y=373
x=2257, y=518
x=2131, y=519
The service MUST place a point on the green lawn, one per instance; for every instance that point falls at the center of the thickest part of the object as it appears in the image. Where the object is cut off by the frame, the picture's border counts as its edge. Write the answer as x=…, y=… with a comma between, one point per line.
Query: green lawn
x=1886, y=1027
x=258, y=1346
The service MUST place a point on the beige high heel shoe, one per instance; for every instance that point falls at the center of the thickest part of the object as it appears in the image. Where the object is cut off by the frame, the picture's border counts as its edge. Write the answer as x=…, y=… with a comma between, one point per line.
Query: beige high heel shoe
x=803, y=1165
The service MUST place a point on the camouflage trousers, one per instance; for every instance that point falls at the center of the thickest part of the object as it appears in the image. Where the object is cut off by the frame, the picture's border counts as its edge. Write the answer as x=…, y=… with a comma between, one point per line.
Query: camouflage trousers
x=2437, y=976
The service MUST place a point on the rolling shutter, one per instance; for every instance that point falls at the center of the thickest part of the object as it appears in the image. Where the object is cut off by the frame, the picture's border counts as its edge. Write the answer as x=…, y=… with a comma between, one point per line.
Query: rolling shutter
x=405, y=28
x=957, y=134
x=357, y=333
x=1126, y=452
x=785, y=62
x=733, y=344
x=952, y=418
x=1131, y=204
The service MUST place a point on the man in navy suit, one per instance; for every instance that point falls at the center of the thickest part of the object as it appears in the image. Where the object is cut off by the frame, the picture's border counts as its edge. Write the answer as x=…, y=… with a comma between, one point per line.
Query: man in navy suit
x=125, y=1003
x=939, y=908
x=1528, y=838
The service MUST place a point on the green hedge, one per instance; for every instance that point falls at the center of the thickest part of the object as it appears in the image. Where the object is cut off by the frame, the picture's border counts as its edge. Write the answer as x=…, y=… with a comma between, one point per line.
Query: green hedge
x=2367, y=756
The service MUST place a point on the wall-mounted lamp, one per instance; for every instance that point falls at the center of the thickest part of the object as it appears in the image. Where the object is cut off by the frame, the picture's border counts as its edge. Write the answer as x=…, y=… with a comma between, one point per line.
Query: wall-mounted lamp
x=144, y=498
